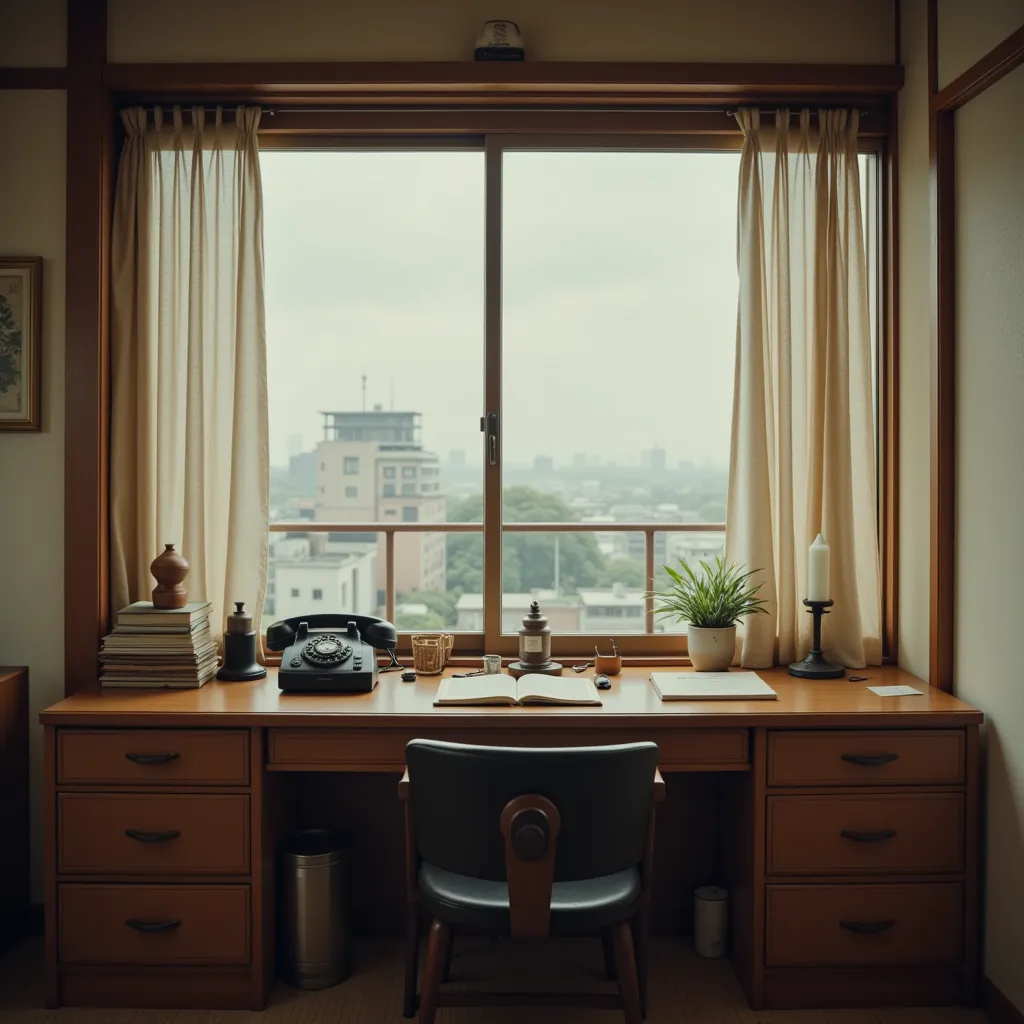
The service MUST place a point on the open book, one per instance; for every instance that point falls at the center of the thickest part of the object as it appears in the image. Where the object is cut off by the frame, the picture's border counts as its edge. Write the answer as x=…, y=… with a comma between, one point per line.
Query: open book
x=533, y=688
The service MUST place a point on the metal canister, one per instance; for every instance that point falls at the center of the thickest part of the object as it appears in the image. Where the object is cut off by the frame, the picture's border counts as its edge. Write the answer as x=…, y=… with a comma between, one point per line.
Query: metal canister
x=316, y=935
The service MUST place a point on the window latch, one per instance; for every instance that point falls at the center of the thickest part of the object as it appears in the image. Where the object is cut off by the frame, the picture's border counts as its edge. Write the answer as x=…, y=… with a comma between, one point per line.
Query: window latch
x=489, y=425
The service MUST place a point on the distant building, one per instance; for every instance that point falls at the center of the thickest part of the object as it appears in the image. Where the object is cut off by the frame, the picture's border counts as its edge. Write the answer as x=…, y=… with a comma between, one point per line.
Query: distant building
x=543, y=464
x=302, y=472
x=694, y=547
x=653, y=458
x=372, y=467
x=616, y=609
x=563, y=613
x=294, y=445
x=305, y=584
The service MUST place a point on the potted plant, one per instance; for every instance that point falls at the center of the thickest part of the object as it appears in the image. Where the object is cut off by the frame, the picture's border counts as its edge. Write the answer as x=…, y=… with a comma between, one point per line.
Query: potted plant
x=712, y=601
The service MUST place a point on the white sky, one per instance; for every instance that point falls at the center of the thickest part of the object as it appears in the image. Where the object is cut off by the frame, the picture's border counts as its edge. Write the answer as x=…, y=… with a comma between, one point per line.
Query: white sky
x=619, y=297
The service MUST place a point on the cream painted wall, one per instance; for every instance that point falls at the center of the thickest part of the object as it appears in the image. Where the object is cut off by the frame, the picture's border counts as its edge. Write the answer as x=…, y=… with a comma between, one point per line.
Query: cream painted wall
x=834, y=31
x=990, y=490
x=34, y=33
x=968, y=29
x=915, y=343
x=32, y=464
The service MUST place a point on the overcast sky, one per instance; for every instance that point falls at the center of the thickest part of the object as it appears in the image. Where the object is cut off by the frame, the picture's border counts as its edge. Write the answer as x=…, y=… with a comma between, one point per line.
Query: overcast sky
x=619, y=305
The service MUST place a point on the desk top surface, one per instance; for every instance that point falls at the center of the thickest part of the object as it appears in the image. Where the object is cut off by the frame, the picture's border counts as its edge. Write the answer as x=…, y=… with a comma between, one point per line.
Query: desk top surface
x=801, y=703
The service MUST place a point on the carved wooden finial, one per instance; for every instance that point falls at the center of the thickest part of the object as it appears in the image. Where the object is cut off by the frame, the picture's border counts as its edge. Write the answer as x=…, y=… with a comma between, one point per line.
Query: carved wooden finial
x=169, y=569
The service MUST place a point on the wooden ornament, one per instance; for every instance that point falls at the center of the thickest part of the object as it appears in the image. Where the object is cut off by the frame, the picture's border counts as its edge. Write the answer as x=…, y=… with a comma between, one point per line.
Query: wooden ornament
x=169, y=570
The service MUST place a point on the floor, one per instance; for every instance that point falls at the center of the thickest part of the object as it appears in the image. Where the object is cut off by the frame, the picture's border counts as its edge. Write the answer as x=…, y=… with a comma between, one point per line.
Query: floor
x=683, y=990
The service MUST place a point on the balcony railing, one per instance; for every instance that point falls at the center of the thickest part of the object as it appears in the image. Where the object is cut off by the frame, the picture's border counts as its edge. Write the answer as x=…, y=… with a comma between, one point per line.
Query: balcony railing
x=390, y=529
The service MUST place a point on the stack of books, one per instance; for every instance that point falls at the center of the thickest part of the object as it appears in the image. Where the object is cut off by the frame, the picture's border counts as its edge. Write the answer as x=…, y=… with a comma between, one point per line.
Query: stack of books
x=160, y=647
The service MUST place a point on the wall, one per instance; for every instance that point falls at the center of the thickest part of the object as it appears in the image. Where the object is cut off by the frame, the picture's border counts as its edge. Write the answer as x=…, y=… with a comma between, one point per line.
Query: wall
x=830, y=31
x=990, y=489
x=32, y=464
x=967, y=31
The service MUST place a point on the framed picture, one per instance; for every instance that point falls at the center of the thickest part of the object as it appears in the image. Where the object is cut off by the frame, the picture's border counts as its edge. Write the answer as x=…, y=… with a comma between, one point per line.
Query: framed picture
x=21, y=282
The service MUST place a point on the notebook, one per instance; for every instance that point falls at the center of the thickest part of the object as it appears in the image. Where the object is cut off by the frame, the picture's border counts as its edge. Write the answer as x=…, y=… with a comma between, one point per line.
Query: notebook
x=711, y=686
x=532, y=688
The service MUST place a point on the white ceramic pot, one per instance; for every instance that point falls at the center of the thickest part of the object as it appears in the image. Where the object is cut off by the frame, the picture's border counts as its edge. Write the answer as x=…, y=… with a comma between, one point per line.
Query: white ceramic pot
x=711, y=650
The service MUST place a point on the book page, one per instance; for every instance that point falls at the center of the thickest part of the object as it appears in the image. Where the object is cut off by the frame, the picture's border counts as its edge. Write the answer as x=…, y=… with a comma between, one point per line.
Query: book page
x=535, y=688
x=493, y=689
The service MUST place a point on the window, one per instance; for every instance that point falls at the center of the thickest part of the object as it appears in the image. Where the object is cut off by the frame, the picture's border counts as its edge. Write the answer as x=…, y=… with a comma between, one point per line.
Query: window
x=351, y=492
x=318, y=594
x=295, y=591
x=617, y=266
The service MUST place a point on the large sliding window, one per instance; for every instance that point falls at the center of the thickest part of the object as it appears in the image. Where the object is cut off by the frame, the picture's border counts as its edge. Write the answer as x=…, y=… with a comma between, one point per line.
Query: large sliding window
x=501, y=370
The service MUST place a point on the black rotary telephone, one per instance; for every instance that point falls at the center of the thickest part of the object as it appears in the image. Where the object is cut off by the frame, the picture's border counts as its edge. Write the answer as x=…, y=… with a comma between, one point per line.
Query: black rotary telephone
x=328, y=653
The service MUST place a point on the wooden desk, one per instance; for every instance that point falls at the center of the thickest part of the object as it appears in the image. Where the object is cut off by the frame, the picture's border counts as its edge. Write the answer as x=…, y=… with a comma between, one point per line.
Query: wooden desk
x=849, y=839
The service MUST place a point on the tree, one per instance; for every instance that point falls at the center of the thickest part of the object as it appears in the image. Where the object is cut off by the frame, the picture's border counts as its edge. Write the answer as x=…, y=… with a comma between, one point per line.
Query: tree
x=431, y=622
x=529, y=558
x=439, y=603
x=10, y=348
x=627, y=571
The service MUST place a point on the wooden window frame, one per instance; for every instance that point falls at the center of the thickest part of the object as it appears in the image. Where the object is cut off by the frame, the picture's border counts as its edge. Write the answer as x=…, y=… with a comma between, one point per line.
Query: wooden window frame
x=434, y=97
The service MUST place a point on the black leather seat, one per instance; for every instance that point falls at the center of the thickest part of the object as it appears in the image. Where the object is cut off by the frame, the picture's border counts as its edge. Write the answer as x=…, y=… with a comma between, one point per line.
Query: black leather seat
x=526, y=842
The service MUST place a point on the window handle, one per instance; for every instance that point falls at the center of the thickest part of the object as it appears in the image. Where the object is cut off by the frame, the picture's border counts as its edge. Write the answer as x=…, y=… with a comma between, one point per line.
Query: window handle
x=489, y=424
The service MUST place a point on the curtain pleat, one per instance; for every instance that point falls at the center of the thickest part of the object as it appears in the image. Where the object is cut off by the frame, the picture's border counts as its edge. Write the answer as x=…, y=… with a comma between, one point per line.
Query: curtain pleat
x=189, y=424
x=803, y=445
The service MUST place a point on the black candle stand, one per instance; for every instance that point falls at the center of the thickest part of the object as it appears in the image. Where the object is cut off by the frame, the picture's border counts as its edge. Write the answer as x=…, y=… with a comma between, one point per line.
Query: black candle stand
x=816, y=665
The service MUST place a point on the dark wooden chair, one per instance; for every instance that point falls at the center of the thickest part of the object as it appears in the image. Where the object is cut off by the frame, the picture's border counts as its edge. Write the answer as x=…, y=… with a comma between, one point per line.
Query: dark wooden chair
x=529, y=842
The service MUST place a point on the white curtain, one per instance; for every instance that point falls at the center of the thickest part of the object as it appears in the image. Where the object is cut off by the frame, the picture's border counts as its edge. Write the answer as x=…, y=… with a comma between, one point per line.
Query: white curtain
x=189, y=459
x=803, y=442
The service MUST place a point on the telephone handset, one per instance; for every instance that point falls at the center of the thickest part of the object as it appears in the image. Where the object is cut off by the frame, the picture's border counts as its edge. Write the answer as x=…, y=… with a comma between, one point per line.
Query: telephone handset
x=331, y=653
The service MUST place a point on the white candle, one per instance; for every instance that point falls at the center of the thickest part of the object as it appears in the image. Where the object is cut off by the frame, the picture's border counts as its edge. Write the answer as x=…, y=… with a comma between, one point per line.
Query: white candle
x=817, y=570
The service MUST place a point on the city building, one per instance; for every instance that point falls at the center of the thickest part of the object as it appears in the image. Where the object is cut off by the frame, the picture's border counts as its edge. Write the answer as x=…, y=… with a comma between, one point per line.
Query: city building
x=371, y=467
x=611, y=610
x=654, y=459
x=563, y=613
x=543, y=464
x=694, y=547
x=302, y=472
x=305, y=584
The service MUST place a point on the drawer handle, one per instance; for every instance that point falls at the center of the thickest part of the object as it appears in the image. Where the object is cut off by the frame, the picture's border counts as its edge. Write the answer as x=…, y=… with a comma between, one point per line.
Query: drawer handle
x=151, y=837
x=870, y=760
x=153, y=926
x=868, y=837
x=867, y=927
x=170, y=755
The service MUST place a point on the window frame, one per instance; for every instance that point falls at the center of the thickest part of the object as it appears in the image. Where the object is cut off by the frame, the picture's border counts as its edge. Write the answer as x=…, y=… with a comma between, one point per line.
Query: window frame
x=640, y=646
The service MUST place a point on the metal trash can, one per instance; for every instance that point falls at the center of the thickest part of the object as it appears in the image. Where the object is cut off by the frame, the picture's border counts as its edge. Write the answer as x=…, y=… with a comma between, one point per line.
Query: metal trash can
x=316, y=937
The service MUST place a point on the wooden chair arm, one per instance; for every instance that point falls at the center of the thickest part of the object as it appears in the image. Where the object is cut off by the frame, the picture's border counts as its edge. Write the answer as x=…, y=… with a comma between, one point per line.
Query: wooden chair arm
x=659, y=787
x=403, y=786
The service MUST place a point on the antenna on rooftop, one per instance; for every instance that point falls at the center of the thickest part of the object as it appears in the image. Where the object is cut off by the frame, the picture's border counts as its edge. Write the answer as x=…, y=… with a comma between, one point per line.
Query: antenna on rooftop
x=364, y=392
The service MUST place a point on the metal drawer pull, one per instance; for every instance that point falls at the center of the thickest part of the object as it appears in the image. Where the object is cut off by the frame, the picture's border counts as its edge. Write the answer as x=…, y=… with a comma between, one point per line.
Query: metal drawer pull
x=871, y=760
x=867, y=927
x=151, y=837
x=153, y=926
x=868, y=837
x=170, y=755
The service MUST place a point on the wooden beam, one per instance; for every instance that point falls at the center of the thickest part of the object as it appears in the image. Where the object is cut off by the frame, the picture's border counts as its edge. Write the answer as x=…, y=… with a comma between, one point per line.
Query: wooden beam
x=498, y=82
x=89, y=175
x=1008, y=55
x=33, y=78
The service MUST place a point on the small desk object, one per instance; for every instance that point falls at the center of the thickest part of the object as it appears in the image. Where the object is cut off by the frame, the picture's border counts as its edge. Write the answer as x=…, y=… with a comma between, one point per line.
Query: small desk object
x=848, y=824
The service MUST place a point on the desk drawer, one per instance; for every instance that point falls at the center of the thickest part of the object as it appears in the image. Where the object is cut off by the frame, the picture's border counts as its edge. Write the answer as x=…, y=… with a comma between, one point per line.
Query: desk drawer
x=191, y=757
x=864, y=925
x=152, y=834
x=849, y=834
x=168, y=925
x=865, y=758
x=384, y=749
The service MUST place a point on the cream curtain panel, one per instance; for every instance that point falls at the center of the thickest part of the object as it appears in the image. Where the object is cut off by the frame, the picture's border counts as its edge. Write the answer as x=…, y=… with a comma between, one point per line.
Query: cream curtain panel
x=803, y=443
x=189, y=460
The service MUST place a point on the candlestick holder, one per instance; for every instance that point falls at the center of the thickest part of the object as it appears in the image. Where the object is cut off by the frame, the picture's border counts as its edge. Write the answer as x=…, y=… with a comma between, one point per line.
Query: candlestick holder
x=816, y=665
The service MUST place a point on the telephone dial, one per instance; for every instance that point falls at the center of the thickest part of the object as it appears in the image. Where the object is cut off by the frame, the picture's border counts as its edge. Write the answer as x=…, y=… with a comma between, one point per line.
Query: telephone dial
x=328, y=653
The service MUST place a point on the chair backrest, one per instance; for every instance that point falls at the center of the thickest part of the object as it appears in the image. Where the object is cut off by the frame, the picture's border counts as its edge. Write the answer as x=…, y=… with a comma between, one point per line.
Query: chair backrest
x=603, y=794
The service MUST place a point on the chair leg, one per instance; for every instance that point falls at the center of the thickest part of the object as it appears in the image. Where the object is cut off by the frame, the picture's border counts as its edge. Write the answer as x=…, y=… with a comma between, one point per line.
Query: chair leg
x=641, y=925
x=609, y=955
x=412, y=956
x=436, y=944
x=625, y=965
x=446, y=973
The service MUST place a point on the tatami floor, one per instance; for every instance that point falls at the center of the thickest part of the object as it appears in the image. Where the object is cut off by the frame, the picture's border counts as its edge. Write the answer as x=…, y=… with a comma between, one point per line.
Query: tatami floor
x=684, y=990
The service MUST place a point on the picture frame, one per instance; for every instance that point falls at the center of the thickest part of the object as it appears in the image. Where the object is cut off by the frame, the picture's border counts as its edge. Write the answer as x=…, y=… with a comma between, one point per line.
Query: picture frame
x=21, y=341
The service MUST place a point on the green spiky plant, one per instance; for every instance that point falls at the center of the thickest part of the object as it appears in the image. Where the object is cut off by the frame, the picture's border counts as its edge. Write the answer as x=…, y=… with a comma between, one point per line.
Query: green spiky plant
x=715, y=598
